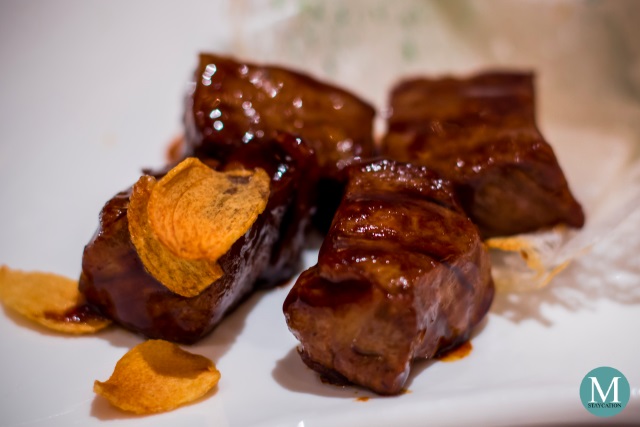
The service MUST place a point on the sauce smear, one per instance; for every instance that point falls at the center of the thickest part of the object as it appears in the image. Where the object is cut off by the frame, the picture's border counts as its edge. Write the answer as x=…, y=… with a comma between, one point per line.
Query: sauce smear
x=457, y=353
x=82, y=313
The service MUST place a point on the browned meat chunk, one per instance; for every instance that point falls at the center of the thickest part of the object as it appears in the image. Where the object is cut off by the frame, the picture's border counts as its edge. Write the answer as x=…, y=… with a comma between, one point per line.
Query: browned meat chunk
x=234, y=103
x=401, y=275
x=481, y=134
x=115, y=281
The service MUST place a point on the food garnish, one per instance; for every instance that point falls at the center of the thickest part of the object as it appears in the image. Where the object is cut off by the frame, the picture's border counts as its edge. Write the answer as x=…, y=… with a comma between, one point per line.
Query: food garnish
x=182, y=224
x=157, y=376
x=51, y=300
x=527, y=262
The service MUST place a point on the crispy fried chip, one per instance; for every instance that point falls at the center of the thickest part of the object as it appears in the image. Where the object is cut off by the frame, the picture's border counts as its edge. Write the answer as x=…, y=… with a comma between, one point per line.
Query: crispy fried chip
x=157, y=376
x=183, y=223
x=184, y=277
x=48, y=299
x=198, y=213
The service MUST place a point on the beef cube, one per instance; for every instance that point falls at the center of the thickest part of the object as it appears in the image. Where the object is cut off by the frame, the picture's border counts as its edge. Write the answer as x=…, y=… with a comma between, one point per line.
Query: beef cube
x=234, y=103
x=115, y=282
x=481, y=133
x=401, y=275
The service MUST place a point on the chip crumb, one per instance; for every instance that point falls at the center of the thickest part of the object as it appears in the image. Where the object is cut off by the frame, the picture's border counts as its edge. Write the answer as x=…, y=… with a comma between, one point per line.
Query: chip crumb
x=158, y=376
x=527, y=262
x=520, y=245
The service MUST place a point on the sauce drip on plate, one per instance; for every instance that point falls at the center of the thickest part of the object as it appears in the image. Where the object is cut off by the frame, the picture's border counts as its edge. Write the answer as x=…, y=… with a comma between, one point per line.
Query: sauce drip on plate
x=460, y=352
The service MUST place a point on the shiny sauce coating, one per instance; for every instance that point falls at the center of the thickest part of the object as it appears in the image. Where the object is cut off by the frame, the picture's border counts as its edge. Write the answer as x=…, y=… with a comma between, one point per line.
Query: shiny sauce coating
x=235, y=102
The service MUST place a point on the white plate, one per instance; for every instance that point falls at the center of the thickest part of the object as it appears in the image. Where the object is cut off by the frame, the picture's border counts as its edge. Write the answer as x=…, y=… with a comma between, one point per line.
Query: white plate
x=91, y=92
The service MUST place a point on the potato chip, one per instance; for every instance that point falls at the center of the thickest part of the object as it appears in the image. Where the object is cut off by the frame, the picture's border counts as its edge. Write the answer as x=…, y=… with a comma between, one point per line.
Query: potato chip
x=52, y=301
x=157, y=376
x=184, y=277
x=182, y=224
x=198, y=213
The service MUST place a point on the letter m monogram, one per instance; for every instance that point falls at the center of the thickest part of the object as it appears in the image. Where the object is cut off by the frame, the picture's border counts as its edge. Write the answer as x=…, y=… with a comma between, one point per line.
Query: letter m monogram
x=595, y=385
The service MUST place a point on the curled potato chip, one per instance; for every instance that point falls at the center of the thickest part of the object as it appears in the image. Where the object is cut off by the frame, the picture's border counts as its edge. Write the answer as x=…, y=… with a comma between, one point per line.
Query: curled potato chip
x=157, y=376
x=198, y=213
x=184, y=277
x=52, y=301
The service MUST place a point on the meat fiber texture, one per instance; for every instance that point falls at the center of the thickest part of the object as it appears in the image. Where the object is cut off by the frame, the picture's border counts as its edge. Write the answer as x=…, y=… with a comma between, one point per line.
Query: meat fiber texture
x=401, y=275
x=115, y=281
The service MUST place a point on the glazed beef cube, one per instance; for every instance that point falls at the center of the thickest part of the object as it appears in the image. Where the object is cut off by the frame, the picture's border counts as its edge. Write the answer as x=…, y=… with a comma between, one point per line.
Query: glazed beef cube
x=115, y=282
x=401, y=275
x=234, y=103
x=481, y=134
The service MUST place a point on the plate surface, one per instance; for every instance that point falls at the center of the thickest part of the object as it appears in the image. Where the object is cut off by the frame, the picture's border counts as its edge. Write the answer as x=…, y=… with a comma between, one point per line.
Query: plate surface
x=92, y=92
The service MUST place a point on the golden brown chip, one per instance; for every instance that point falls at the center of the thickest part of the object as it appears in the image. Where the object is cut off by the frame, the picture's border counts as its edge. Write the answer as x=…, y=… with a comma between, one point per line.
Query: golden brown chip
x=182, y=224
x=48, y=299
x=184, y=277
x=198, y=213
x=157, y=376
